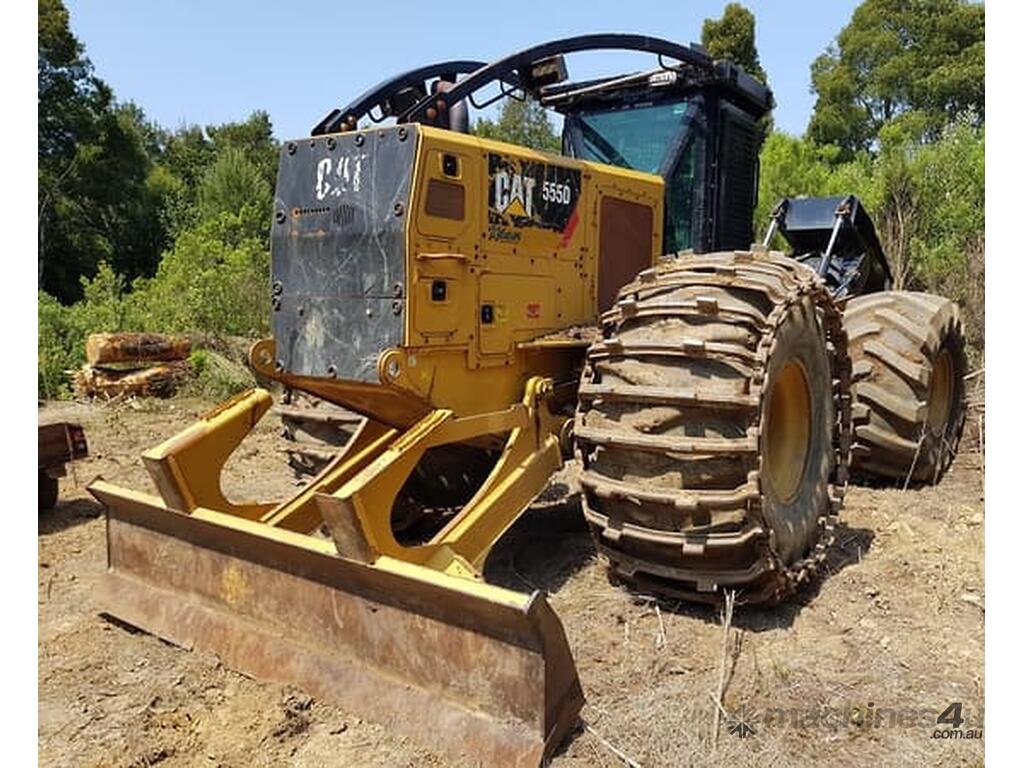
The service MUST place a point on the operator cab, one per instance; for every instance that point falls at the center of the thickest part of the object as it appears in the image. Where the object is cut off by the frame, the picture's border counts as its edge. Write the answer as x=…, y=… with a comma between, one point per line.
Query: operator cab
x=701, y=135
x=664, y=138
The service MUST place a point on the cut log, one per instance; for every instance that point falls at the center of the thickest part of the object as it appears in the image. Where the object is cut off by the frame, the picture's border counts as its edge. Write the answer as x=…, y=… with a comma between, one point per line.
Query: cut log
x=160, y=380
x=103, y=348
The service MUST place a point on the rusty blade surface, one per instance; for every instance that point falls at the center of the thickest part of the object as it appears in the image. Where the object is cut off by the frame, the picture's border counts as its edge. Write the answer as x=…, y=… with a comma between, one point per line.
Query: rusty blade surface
x=487, y=681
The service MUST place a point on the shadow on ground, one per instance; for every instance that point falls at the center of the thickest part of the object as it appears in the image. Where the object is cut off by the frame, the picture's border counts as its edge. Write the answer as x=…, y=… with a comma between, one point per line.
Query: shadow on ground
x=850, y=546
x=551, y=543
x=544, y=548
x=67, y=514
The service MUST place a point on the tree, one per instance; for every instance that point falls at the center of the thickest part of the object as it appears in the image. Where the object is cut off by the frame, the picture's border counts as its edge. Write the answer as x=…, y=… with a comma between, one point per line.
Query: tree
x=190, y=152
x=99, y=207
x=94, y=200
x=919, y=65
x=523, y=122
x=254, y=138
x=70, y=98
x=732, y=37
x=187, y=154
x=214, y=280
x=231, y=183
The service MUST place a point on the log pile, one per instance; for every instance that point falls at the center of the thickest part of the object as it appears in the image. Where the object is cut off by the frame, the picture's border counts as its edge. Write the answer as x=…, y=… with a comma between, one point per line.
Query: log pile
x=141, y=364
x=135, y=348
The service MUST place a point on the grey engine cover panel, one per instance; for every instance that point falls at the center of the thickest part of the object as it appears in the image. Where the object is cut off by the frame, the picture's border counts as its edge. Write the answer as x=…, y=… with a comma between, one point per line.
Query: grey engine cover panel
x=338, y=258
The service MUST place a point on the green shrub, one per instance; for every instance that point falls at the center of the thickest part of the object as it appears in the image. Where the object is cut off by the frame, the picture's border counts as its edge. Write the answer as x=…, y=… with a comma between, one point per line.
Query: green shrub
x=58, y=341
x=63, y=329
x=927, y=202
x=213, y=282
x=215, y=377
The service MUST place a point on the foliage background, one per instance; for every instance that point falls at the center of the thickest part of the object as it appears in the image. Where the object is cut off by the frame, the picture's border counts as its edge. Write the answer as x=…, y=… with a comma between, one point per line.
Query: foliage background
x=142, y=228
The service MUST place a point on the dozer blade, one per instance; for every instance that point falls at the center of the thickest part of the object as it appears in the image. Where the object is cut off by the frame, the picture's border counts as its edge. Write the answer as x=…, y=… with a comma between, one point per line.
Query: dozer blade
x=478, y=672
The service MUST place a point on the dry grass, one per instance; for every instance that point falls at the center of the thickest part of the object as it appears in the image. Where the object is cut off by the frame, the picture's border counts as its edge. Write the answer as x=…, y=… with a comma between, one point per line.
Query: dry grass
x=898, y=622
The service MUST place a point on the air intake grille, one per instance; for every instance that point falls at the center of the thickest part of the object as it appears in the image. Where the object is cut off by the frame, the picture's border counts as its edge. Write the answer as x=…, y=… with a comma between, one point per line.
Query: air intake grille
x=738, y=183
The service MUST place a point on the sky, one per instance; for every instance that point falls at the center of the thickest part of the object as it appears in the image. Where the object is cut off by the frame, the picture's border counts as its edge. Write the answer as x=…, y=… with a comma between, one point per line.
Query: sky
x=189, y=62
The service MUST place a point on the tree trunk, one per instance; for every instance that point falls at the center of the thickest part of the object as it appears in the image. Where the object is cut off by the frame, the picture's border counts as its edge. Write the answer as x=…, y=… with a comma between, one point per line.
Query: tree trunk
x=105, y=348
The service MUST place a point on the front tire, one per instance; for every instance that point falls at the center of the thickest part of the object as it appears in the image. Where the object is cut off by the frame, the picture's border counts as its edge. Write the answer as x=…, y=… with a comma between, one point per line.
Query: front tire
x=713, y=427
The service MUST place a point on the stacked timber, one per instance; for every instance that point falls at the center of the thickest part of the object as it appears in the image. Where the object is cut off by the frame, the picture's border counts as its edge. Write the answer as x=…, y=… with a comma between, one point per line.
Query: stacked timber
x=142, y=364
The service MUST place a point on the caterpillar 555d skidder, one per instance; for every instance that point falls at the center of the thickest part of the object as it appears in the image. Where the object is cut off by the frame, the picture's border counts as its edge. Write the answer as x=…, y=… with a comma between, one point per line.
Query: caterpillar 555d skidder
x=442, y=286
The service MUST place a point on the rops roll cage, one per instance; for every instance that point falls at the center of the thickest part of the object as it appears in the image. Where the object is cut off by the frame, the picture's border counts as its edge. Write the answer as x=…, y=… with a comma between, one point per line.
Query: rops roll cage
x=409, y=97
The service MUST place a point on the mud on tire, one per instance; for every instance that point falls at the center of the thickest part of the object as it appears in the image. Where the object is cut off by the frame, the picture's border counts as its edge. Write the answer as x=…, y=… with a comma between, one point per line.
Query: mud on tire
x=713, y=427
x=908, y=360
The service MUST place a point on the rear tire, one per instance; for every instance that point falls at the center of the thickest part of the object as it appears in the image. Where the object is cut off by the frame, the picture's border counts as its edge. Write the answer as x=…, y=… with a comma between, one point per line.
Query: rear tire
x=313, y=430
x=446, y=478
x=908, y=384
x=711, y=427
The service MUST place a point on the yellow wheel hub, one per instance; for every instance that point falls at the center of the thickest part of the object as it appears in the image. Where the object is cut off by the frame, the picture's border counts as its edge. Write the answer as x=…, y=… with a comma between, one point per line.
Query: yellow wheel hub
x=940, y=395
x=788, y=438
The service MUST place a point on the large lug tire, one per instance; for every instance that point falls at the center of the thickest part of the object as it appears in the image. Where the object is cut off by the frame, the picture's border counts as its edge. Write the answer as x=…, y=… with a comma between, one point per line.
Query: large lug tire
x=713, y=427
x=314, y=431
x=908, y=384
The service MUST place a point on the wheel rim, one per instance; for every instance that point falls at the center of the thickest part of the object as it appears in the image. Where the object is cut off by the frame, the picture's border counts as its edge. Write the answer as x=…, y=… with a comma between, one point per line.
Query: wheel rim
x=940, y=395
x=788, y=439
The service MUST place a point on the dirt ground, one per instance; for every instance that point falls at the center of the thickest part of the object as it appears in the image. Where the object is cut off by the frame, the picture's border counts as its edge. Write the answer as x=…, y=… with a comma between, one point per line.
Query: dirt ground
x=856, y=669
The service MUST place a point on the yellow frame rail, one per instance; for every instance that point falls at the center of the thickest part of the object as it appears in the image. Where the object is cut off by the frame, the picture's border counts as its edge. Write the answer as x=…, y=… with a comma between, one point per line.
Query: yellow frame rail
x=354, y=494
